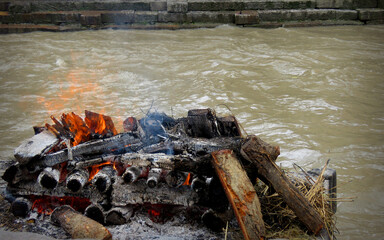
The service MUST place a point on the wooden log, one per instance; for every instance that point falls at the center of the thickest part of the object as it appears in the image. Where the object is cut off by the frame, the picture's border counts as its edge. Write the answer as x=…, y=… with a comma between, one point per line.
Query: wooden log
x=78, y=225
x=240, y=193
x=96, y=212
x=77, y=180
x=202, y=123
x=103, y=179
x=128, y=141
x=228, y=126
x=21, y=207
x=260, y=155
x=49, y=178
x=35, y=146
x=119, y=215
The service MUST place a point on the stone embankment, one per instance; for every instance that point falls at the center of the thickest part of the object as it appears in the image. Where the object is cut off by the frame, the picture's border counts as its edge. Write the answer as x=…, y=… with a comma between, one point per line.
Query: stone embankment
x=17, y=16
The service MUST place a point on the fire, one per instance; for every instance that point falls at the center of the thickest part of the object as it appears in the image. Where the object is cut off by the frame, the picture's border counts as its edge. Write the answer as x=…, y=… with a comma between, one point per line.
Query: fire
x=99, y=123
x=77, y=126
x=96, y=168
x=188, y=180
x=46, y=204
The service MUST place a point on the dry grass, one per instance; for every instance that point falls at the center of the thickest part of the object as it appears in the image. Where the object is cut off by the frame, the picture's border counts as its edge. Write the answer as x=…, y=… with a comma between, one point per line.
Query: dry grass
x=280, y=220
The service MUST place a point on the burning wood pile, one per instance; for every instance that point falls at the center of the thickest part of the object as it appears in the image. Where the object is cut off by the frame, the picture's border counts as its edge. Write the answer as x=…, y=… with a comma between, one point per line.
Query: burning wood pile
x=197, y=161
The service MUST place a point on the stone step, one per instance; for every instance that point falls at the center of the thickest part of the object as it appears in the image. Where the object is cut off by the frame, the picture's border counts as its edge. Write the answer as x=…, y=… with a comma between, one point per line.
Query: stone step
x=151, y=17
x=28, y=6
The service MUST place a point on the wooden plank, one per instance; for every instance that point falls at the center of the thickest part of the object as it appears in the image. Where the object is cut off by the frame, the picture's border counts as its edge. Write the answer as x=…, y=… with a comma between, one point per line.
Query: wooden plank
x=240, y=193
x=35, y=146
x=260, y=156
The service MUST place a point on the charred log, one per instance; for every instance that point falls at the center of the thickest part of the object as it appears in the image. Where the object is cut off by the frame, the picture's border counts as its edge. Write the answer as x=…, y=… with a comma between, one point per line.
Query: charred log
x=119, y=215
x=198, y=184
x=175, y=178
x=77, y=180
x=103, y=179
x=49, y=178
x=153, y=177
x=123, y=142
x=131, y=174
x=202, y=123
x=21, y=207
x=213, y=221
x=95, y=212
x=228, y=126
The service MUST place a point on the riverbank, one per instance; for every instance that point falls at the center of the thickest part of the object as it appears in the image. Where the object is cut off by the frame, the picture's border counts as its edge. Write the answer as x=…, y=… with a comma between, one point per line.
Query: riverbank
x=73, y=15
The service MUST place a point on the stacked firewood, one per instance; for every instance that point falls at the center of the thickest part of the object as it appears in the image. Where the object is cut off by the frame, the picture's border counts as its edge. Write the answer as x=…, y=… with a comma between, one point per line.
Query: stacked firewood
x=156, y=160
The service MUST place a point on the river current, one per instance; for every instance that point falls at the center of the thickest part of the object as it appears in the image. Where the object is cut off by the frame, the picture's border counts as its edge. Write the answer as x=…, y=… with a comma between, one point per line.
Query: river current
x=317, y=92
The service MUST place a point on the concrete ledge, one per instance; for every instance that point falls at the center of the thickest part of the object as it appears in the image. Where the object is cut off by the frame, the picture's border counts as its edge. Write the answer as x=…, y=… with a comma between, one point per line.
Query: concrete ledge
x=98, y=14
x=307, y=15
x=371, y=14
x=304, y=24
x=211, y=17
x=247, y=17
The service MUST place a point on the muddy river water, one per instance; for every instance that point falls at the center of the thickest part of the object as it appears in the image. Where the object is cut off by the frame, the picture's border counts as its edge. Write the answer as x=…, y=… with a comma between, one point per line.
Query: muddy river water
x=318, y=93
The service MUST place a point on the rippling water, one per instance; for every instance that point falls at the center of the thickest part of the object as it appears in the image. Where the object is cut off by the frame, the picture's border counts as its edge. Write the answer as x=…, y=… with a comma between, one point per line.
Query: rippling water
x=316, y=92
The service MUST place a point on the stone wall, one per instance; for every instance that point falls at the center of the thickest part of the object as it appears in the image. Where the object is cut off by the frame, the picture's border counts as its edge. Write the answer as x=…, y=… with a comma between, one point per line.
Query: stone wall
x=55, y=15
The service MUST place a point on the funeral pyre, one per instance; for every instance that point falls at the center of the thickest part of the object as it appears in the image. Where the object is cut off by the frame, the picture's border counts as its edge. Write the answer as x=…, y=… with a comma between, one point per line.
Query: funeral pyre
x=200, y=161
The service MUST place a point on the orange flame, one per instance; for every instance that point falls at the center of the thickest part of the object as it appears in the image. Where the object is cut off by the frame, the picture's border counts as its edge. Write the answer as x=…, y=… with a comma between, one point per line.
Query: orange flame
x=187, y=181
x=77, y=126
x=96, y=168
x=99, y=123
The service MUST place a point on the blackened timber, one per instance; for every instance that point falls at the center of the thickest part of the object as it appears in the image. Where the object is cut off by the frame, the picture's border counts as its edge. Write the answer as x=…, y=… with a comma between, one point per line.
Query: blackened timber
x=126, y=141
x=49, y=178
x=261, y=157
x=21, y=207
x=139, y=193
x=202, y=123
x=240, y=193
x=118, y=215
x=95, y=212
x=103, y=179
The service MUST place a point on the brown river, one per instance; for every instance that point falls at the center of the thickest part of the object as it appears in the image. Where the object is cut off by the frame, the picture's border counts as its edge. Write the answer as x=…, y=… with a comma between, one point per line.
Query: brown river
x=318, y=93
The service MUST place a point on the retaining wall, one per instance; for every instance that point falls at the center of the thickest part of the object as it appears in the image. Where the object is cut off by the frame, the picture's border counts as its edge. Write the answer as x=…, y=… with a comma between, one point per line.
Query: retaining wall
x=69, y=15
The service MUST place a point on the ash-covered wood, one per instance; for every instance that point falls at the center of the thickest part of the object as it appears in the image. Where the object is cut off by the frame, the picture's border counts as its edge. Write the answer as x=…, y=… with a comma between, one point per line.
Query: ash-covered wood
x=122, y=142
x=35, y=146
x=131, y=174
x=119, y=215
x=49, y=178
x=102, y=181
x=139, y=193
x=175, y=178
x=95, y=212
x=154, y=177
x=20, y=207
x=77, y=180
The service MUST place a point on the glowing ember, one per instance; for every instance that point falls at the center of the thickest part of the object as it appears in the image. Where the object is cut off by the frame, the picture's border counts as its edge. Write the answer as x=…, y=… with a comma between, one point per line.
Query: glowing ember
x=46, y=204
